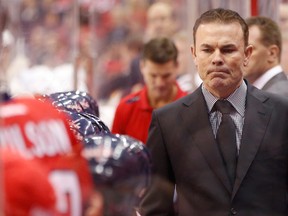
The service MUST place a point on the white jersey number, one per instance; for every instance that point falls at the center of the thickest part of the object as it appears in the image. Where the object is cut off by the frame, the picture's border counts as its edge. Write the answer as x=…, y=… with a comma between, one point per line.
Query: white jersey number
x=68, y=192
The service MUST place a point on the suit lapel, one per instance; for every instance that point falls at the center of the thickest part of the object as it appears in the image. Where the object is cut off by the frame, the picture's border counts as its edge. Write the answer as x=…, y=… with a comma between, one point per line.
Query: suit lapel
x=202, y=134
x=257, y=116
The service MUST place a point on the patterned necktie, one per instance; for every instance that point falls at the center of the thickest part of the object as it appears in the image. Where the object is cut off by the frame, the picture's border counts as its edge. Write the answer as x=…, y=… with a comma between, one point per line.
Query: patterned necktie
x=226, y=138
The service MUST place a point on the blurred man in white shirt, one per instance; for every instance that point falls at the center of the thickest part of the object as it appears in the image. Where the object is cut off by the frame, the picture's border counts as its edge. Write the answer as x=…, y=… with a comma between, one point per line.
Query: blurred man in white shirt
x=264, y=70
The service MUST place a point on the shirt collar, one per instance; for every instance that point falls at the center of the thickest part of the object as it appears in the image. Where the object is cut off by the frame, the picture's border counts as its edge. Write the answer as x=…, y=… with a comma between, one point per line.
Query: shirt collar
x=145, y=105
x=144, y=99
x=264, y=78
x=237, y=98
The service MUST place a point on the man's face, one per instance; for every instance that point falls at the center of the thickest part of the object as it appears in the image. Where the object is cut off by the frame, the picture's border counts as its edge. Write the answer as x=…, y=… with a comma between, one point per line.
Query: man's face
x=159, y=78
x=160, y=22
x=258, y=63
x=219, y=56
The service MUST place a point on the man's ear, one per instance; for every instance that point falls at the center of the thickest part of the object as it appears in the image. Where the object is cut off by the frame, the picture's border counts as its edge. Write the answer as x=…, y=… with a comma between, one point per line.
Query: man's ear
x=273, y=53
x=193, y=52
x=141, y=65
x=248, y=53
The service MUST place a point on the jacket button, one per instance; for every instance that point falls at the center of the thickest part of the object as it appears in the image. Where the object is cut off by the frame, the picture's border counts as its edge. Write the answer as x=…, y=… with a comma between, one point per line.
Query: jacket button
x=233, y=211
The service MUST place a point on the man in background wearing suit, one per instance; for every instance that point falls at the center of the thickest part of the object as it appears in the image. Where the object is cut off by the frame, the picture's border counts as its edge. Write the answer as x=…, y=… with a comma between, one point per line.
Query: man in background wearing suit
x=185, y=139
x=264, y=70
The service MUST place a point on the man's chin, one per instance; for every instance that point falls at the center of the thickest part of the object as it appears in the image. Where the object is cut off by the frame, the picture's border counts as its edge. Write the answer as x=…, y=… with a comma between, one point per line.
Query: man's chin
x=160, y=96
x=218, y=82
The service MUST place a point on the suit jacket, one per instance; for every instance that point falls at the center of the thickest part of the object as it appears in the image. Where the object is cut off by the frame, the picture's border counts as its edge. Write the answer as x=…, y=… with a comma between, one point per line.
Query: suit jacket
x=184, y=152
x=277, y=84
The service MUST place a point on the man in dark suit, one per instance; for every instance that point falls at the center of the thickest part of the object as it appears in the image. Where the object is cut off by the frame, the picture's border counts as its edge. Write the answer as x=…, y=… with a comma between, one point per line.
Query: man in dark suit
x=264, y=70
x=184, y=139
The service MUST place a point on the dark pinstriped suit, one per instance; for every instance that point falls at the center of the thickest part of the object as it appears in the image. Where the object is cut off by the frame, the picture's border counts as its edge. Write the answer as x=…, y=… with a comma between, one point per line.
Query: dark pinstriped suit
x=184, y=152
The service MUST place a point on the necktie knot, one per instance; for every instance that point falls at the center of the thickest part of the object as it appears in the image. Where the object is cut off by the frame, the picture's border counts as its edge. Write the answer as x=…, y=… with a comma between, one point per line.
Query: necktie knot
x=224, y=106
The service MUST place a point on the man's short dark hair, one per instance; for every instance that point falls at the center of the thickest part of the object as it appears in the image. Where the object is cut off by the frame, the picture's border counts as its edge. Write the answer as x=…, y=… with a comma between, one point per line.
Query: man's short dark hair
x=160, y=50
x=221, y=15
x=270, y=31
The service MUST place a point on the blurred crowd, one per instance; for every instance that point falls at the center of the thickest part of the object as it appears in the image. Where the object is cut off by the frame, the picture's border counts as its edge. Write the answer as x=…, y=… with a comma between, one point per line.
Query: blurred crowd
x=61, y=45
x=91, y=45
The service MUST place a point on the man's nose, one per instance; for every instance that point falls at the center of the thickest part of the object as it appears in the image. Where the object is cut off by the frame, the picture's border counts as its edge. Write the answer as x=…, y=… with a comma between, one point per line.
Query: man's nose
x=159, y=81
x=217, y=58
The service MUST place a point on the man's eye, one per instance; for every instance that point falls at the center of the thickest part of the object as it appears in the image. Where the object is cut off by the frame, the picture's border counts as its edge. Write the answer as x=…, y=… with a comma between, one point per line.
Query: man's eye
x=206, y=50
x=228, y=50
x=166, y=76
